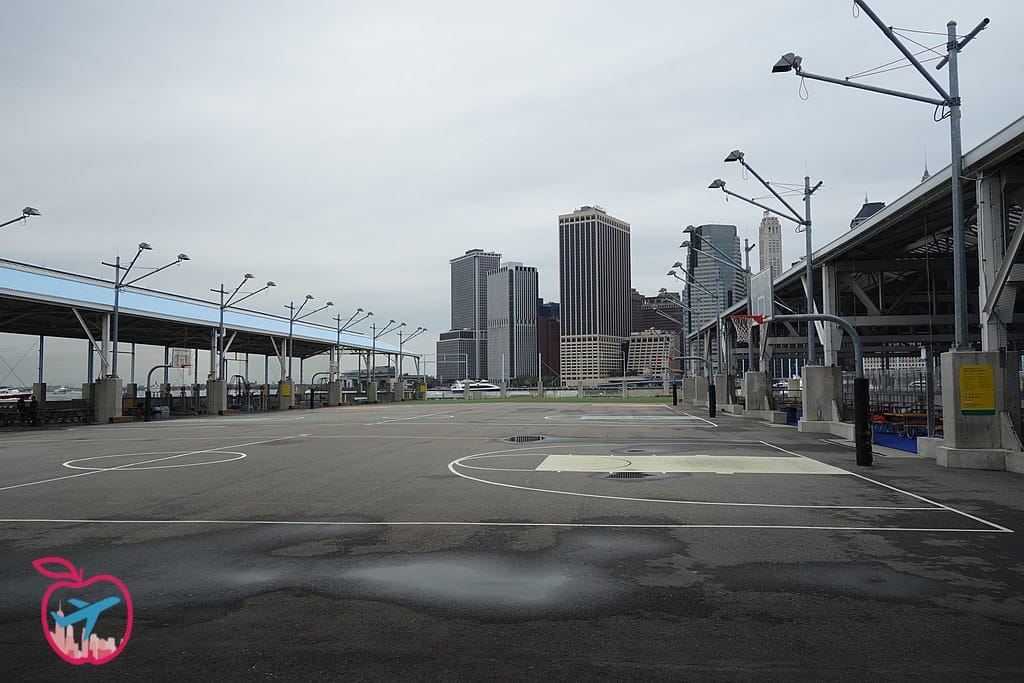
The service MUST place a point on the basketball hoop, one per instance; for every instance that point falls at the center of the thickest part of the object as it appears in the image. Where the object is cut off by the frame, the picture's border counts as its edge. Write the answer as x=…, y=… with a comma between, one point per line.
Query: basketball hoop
x=742, y=324
x=181, y=358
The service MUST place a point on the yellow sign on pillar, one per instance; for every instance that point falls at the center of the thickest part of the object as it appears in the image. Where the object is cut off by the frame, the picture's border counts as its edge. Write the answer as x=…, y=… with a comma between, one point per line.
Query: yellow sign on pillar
x=977, y=390
x=286, y=389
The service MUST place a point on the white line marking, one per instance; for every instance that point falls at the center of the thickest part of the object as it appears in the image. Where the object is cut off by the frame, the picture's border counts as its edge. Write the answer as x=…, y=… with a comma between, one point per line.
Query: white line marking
x=388, y=420
x=144, y=462
x=458, y=463
x=70, y=464
x=908, y=493
x=576, y=525
x=700, y=418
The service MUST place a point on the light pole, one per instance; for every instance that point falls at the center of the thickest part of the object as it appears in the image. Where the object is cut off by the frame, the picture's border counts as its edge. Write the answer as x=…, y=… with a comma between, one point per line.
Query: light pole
x=293, y=317
x=349, y=324
x=727, y=261
x=231, y=301
x=718, y=305
x=951, y=99
x=120, y=282
x=803, y=224
x=412, y=335
x=26, y=213
x=373, y=345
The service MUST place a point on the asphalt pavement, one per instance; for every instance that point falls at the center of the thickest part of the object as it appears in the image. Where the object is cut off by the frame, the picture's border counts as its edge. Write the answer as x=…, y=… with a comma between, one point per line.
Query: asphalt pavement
x=466, y=540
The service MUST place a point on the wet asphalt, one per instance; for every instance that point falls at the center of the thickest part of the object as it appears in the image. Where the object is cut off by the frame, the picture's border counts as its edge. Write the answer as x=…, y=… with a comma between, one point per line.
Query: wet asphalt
x=416, y=541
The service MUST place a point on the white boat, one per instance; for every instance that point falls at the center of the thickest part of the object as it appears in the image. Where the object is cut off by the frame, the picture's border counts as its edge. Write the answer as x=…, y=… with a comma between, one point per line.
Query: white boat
x=459, y=387
x=11, y=394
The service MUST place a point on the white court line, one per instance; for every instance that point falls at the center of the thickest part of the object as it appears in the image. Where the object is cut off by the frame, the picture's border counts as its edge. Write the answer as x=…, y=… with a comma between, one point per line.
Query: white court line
x=144, y=462
x=458, y=463
x=569, y=525
x=908, y=493
x=389, y=420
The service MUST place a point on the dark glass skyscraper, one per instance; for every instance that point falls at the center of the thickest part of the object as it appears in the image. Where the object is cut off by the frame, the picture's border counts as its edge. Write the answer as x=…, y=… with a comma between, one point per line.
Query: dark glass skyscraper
x=469, y=314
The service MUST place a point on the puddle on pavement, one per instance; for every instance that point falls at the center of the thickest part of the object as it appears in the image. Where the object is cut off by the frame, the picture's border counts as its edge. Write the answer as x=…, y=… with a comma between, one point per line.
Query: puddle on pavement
x=840, y=578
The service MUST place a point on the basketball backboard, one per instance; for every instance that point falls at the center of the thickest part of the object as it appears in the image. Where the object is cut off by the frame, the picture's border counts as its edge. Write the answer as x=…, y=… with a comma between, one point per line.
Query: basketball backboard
x=762, y=296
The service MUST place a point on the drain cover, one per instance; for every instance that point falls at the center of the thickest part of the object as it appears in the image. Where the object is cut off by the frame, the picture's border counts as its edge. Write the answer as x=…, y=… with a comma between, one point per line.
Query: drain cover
x=524, y=438
x=634, y=450
x=628, y=475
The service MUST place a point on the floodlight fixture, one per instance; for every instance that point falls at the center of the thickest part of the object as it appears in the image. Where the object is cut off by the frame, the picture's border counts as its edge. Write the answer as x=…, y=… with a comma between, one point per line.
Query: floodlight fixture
x=716, y=184
x=677, y=264
x=684, y=244
x=29, y=211
x=144, y=246
x=184, y=257
x=734, y=155
x=271, y=283
x=248, y=276
x=787, y=62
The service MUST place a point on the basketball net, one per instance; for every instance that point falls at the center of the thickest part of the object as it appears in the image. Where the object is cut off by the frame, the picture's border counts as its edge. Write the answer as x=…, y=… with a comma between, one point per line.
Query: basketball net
x=742, y=324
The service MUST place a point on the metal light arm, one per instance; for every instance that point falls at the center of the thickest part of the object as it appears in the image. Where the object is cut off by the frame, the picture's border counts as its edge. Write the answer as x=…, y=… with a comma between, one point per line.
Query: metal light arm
x=692, y=280
x=871, y=88
x=342, y=328
x=712, y=245
x=762, y=206
x=26, y=213
x=663, y=314
x=771, y=189
x=261, y=289
x=726, y=261
x=416, y=334
x=181, y=257
x=903, y=48
x=384, y=330
x=982, y=25
x=315, y=310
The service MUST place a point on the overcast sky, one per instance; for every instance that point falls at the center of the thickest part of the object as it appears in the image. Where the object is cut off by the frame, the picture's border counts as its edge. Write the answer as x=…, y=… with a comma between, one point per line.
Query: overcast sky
x=349, y=150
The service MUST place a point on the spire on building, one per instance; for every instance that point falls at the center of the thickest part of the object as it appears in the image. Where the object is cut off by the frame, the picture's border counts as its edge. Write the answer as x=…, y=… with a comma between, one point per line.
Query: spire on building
x=926, y=174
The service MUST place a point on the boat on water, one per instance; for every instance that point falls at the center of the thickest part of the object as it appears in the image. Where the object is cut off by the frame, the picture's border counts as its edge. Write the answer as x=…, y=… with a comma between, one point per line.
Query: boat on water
x=12, y=394
x=460, y=386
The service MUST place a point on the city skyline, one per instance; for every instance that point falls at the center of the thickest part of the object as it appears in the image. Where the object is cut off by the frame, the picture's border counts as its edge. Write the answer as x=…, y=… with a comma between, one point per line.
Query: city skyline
x=254, y=157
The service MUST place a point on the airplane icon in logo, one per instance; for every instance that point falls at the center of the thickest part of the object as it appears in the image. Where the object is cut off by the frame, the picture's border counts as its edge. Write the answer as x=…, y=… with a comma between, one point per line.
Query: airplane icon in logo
x=87, y=612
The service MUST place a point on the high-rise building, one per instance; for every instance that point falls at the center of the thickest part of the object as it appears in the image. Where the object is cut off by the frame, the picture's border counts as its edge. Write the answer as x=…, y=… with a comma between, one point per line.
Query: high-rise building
x=649, y=352
x=726, y=282
x=548, y=327
x=769, y=240
x=469, y=311
x=511, y=321
x=593, y=251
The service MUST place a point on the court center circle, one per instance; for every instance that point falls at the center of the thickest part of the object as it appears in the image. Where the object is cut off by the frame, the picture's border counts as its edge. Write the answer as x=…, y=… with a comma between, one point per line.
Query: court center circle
x=153, y=456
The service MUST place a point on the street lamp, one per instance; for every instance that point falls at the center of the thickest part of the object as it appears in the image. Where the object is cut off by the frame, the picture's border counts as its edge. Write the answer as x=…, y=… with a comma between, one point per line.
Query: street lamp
x=718, y=305
x=377, y=335
x=120, y=282
x=726, y=260
x=791, y=62
x=26, y=213
x=232, y=301
x=349, y=324
x=293, y=316
x=401, y=357
x=803, y=224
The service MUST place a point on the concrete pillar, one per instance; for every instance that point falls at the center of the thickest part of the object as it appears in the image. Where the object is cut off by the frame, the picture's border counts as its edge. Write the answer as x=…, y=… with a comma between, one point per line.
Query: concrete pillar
x=106, y=399
x=832, y=336
x=87, y=392
x=755, y=390
x=334, y=393
x=822, y=393
x=285, y=399
x=723, y=389
x=688, y=390
x=371, y=391
x=216, y=396
x=700, y=390
x=39, y=391
x=991, y=249
x=980, y=411
x=504, y=390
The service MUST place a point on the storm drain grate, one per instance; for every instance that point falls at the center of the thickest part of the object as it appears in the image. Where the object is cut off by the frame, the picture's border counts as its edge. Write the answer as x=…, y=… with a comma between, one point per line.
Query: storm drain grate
x=628, y=475
x=634, y=450
x=524, y=438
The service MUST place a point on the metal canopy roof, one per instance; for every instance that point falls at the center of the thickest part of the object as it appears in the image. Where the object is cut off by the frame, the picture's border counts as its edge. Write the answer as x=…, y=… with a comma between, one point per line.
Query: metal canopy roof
x=39, y=301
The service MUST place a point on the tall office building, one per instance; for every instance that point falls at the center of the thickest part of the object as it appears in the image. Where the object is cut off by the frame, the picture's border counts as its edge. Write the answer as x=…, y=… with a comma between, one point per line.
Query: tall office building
x=726, y=282
x=469, y=314
x=769, y=240
x=548, y=331
x=593, y=252
x=511, y=321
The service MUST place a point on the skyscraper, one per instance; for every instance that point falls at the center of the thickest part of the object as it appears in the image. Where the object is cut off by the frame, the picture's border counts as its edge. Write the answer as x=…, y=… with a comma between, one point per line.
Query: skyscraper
x=469, y=314
x=769, y=239
x=725, y=281
x=548, y=331
x=511, y=321
x=593, y=252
